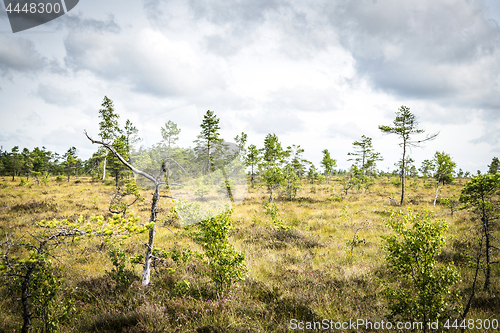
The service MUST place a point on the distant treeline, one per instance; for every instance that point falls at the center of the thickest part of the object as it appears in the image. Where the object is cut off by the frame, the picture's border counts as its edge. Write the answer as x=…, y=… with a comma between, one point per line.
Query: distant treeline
x=274, y=164
x=40, y=161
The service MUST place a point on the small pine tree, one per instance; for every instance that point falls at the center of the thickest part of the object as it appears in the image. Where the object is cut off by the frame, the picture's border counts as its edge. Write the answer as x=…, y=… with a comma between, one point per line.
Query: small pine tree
x=477, y=194
x=252, y=159
x=444, y=167
x=208, y=138
x=328, y=164
x=272, y=164
x=494, y=167
x=365, y=157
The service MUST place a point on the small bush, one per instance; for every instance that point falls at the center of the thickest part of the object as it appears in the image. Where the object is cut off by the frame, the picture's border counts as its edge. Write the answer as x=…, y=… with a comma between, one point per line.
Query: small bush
x=119, y=273
x=182, y=287
x=225, y=265
x=396, y=181
x=422, y=288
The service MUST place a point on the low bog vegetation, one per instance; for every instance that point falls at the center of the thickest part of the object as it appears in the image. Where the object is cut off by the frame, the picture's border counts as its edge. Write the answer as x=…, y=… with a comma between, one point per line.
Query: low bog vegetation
x=322, y=254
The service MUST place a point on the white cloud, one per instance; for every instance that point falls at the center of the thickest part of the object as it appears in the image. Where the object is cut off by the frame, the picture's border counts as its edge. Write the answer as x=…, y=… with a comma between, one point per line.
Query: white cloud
x=54, y=94
x=147, y=60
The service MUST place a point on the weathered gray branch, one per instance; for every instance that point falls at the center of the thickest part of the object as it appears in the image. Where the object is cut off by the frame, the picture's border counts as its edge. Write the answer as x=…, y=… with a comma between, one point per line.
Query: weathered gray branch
x=112, y=149
x=149, y=246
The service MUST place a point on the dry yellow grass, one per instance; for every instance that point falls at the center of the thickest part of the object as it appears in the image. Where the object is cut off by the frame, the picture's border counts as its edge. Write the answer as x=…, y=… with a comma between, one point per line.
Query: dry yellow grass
x=311, y=270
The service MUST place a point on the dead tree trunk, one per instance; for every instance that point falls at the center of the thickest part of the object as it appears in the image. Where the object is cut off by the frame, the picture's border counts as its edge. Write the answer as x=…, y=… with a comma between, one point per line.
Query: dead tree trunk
x=149, y=251
x=157, y=183
x=104, y=168
x=437, y=193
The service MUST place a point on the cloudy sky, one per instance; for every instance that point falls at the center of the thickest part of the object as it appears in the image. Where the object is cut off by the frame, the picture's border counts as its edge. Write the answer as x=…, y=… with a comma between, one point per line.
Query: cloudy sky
x=317, y=73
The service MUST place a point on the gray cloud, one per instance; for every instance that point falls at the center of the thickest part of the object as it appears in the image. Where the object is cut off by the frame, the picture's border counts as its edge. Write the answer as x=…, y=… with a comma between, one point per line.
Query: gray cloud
x=10, y=140
x=225, y=28
x=3, y=16
x=56, y=95
x=19, y=55
x=65, y=137
x=348, y=130
x=304, y=98
x=225, y=44
x=76, y=21
x=447, y=52
x=146, y=60
x=443, y=51
x=274, y=121
x=490, y=135
x=241, y=15
x=34, y=119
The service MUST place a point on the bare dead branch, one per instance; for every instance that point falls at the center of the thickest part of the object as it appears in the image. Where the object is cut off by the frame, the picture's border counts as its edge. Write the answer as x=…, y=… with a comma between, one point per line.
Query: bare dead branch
x=112, y=149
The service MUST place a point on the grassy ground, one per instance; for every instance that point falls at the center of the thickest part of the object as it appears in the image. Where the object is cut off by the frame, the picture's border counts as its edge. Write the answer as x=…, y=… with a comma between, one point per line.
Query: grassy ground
x=309, y=272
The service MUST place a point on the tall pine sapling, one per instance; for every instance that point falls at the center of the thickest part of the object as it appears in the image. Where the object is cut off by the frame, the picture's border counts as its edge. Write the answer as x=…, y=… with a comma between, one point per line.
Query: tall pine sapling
x=405, y=126
x=108, y=126
x=208, y=138
x=252, y=160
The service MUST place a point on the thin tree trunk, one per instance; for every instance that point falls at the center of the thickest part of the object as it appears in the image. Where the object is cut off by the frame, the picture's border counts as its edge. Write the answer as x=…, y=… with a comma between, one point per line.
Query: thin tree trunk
x=403, y=175
x=228, y=185
x=156, y=181
x=488, y=258
x=147, y=263
x=467, y=307
x=104, y=170
x=437, y=193
x=251, y=179
x=24, y=300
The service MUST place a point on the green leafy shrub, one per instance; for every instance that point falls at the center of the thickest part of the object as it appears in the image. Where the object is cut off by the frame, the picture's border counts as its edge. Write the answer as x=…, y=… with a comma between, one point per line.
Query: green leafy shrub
x=396, y=181
x=33, y=281
x=182, y=287
x=452, y=203
x=271, y=209
x=421, y=289
x=122, y=276
x=225, y=264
